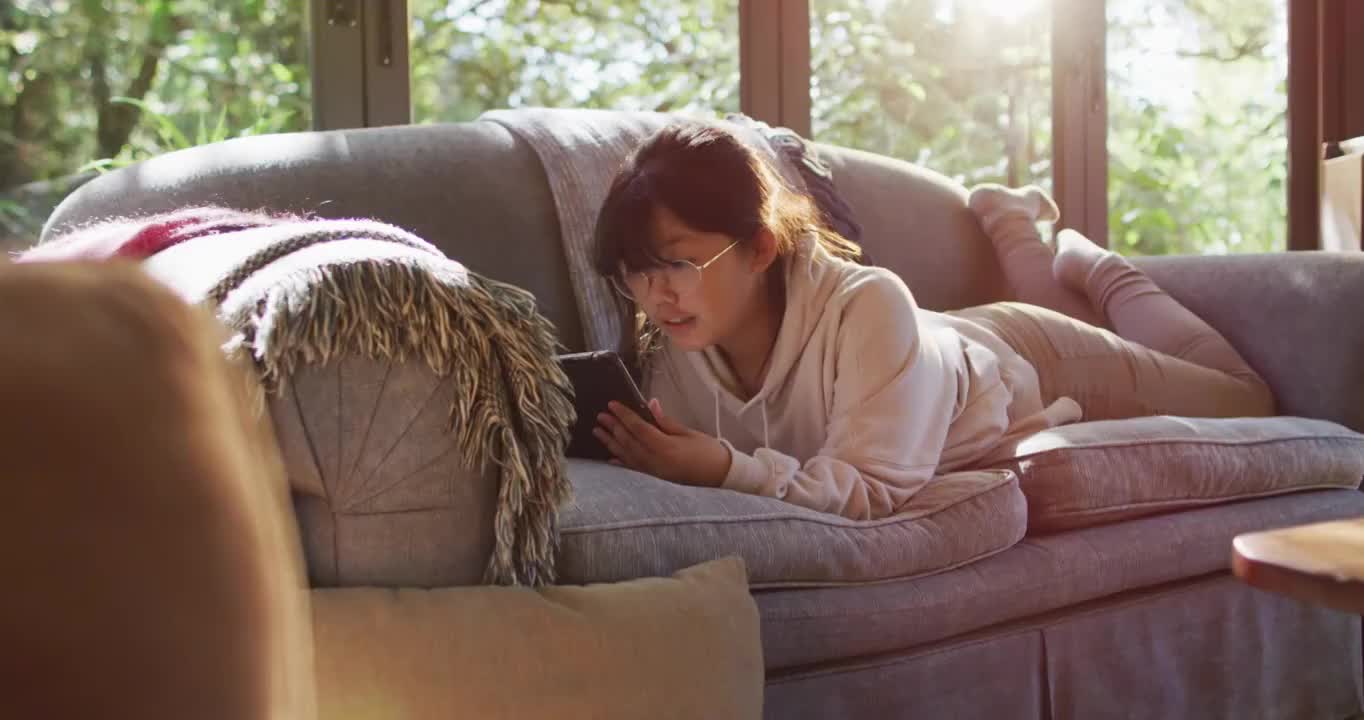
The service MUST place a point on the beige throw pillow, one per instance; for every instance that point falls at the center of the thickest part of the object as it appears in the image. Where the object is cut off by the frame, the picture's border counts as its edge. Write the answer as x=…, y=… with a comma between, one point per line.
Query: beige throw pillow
x=681, y=647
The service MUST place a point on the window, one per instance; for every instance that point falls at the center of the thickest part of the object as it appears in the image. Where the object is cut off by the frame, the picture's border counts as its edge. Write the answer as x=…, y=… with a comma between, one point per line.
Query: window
x=962, y=87
x=95, y=84
x=1173, y=139
x=468, y=56
x=1197, y=138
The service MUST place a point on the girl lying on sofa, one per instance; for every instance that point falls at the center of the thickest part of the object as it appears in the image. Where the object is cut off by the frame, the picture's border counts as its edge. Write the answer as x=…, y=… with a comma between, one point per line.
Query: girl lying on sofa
x=781, y=366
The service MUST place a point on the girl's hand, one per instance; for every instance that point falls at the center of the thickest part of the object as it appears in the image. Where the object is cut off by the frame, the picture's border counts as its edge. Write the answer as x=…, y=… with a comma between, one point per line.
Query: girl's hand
x=671, y=451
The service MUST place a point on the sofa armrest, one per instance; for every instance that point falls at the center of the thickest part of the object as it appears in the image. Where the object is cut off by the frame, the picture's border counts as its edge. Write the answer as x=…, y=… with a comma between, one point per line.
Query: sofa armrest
x=1297, y=318
x=380, y=489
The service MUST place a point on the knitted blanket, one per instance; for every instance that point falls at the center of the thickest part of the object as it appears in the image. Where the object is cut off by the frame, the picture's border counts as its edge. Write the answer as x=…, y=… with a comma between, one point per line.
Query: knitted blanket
x=140, y=238
x=304, y=292
x=582, y=150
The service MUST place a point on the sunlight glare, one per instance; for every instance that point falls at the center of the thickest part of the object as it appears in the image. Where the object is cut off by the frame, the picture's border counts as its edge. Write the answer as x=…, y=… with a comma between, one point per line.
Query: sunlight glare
x=1011, y=10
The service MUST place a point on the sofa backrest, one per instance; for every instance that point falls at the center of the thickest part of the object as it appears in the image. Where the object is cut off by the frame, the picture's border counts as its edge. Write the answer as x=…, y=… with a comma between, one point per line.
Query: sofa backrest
x=480, y=194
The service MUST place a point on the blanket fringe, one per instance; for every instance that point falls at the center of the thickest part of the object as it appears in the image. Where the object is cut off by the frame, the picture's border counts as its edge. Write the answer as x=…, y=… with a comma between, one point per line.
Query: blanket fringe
x=512, y=406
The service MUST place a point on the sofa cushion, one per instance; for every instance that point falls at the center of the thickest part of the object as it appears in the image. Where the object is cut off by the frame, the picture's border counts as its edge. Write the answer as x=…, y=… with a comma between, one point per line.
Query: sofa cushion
x=1101, y=472
x=622, y=525
x=805, y=627
x=683, y=647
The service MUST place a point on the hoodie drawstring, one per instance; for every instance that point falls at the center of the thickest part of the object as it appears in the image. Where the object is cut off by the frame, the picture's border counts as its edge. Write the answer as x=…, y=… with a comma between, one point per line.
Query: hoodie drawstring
x=767, y=438
x=718, y=435
x=767, y=443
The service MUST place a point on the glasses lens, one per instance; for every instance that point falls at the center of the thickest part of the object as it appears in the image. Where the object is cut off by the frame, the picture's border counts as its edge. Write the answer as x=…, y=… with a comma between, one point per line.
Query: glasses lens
x=679, y=277
x=632, y=286
x=619, y=285
x=683, y=277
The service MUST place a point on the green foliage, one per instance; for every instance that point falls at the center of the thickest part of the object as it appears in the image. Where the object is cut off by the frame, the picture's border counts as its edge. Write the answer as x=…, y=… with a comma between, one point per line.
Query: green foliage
x=960, y=86
x=118, y=80
x=472, y=55
x=165, y=134
x=95, y=84
x=1206, y=173
x=948, y=85
x=964, y=87
x=15, y=218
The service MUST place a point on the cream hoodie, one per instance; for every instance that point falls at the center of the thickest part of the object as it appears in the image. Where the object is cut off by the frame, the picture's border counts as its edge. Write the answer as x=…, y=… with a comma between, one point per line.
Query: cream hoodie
x=866, y=398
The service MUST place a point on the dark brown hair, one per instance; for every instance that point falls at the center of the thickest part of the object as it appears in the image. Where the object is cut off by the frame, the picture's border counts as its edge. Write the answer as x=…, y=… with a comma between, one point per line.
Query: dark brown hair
x=711, y=180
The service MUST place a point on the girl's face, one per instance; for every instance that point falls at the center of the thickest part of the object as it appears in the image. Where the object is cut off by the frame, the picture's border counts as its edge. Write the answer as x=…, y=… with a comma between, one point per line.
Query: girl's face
x=699, y=310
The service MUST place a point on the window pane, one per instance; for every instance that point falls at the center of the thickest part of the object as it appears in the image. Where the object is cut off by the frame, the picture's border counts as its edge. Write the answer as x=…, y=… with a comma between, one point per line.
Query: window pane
x=469, y=56
x=1197, y=138
x=91, y=85
x=959, y=86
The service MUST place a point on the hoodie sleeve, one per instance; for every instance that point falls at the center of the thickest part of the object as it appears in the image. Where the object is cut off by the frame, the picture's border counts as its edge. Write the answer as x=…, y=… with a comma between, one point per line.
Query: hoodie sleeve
x=895, y=392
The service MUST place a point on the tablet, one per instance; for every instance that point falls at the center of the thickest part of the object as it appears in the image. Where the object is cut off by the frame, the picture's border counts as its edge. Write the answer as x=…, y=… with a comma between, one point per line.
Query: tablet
x=598, y=378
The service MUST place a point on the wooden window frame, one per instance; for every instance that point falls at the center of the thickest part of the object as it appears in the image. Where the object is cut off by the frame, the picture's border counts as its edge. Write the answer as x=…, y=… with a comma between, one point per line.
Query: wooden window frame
x=1342, y=69
x=774, y=62
x=775, y=79
x=1325, y=102
x=1304, y=124
x=336, y=49
x=388, y=71
x=361, y=78
x=1079, y=116
x=360, y=64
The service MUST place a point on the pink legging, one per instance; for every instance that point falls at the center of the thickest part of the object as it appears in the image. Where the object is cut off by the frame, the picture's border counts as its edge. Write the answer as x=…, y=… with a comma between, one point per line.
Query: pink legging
x=1114, y=377
x=1159, y=358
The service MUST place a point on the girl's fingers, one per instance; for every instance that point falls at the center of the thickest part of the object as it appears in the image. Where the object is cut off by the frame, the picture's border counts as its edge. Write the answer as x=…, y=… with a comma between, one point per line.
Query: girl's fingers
x=613, y=447
x=644, y=432
x=665, y=421
x=631, y=448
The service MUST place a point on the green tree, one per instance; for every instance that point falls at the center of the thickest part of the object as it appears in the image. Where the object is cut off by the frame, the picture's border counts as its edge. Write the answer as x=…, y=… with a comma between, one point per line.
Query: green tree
x=959, y=86
x=120, y=80
x=473, y=55
x=948, y=85
x=1205, y=171
x=964, y=87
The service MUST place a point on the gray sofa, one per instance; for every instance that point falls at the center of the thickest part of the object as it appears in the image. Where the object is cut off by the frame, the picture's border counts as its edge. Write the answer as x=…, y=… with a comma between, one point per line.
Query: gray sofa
x=1138, y=618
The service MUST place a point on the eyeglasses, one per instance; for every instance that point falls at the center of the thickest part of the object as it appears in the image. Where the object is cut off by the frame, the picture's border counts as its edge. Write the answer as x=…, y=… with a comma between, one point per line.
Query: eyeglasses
x=681, y=276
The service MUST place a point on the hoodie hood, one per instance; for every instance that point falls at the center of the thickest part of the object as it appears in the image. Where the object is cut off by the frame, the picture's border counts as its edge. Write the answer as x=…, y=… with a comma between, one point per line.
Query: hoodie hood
x=812, y=278
x=866, y=395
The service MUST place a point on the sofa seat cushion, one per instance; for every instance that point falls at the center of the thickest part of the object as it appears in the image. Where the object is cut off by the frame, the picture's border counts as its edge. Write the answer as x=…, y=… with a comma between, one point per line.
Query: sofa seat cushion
x=623, y=525
x=1038, y=576
x=1101, y=472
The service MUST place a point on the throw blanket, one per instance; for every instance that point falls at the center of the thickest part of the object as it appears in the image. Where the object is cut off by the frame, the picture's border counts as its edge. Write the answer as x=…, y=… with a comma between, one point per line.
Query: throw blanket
x=294, y=292
x=393, y=296
x=582, y=150
x=140, y=238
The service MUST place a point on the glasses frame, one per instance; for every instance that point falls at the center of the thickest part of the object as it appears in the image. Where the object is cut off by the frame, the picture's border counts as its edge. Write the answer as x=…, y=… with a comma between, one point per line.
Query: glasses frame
x=622, y=285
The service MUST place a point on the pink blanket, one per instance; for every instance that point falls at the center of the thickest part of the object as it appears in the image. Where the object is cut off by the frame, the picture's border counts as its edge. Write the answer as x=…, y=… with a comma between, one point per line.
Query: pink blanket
x=141, y=238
